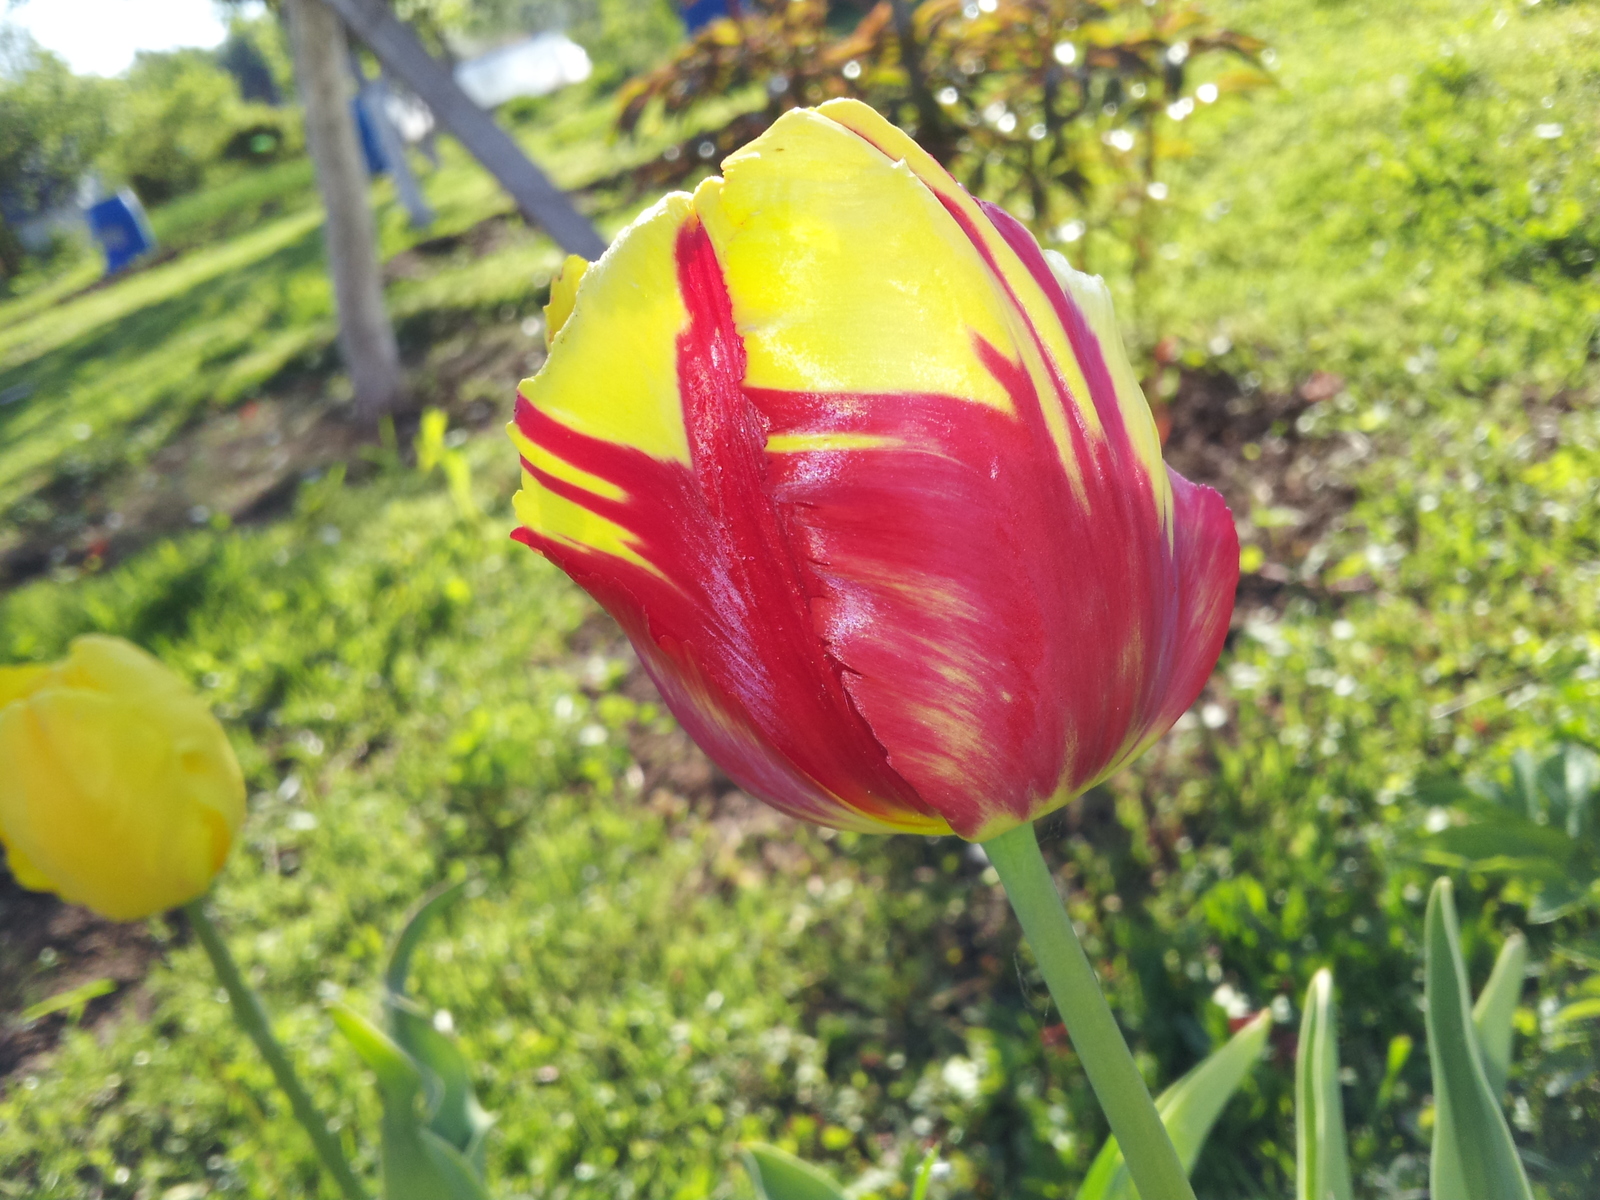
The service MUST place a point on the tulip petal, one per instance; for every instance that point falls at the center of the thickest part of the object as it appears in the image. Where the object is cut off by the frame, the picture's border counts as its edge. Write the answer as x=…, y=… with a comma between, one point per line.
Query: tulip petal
x=100, y=806
x=846, y=273
x=1015, y=597
x=986, y=634
x=17, y=682
x=1043, y=328
x=919, y=538
x=690, y=556
x=563, y=296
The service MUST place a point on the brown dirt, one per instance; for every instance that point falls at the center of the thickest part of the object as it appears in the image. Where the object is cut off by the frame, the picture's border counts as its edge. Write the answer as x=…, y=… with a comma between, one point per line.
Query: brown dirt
x=246, y=464
x=47, y=948
x=1287, y=491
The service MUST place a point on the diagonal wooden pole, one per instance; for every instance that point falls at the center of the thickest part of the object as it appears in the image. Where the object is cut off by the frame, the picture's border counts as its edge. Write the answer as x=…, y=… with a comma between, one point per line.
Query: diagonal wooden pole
x=538, y=199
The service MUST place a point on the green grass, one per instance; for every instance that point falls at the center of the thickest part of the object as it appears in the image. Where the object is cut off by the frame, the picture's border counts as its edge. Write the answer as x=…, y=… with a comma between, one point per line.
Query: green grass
x=643, y=981
x=107, y=376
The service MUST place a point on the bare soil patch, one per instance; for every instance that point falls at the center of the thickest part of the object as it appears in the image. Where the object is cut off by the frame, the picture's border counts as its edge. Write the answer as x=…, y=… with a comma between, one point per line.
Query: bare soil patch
x=48, y=948
x=1287, y=491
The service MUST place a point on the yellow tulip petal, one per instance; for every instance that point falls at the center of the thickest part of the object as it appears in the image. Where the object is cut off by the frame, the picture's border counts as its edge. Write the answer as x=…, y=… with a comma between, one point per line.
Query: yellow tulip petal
x=1052, y=356
x=563, y=296
x=16, y=682
x=613, y=375
x=1093, y=298
x=846, y=273
x=22, y=868
x=120, y=790
x=616, y=373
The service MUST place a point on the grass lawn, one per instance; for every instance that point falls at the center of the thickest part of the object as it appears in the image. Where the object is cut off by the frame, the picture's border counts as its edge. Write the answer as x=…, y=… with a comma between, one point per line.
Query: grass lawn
x=1380, y=279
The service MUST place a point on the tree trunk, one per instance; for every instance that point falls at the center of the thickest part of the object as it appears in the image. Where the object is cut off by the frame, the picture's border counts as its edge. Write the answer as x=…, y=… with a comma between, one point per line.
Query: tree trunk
x=366, y=339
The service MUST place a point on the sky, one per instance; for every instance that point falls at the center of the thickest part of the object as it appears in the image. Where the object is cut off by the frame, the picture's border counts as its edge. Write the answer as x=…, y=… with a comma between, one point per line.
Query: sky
x=100, y=37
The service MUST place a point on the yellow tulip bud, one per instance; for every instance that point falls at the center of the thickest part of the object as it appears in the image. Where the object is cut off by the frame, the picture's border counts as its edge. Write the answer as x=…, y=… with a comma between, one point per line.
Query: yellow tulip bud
x=118, y=789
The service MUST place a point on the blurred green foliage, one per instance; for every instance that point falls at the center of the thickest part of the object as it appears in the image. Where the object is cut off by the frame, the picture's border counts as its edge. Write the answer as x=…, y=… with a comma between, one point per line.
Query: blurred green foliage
x=52, y=125
x=645, y=982
x=1537, y=825
x=177, y=115
x=1053, y=108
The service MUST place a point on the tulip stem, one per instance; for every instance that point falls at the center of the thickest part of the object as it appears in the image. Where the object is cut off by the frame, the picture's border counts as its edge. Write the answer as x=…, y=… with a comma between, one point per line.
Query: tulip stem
x=252, y=1018
x=1151, y=1158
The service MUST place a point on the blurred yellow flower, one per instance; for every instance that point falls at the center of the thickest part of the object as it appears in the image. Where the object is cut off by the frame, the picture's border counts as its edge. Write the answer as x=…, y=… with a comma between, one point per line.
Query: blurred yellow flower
x=118, y=789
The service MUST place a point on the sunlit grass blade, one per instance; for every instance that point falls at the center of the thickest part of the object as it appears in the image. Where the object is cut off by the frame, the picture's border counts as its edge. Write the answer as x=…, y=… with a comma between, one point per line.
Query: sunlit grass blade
x=930, y=1160
x=1497, y=1004
x=1474, y=1157
x=1189, y=1108
x=74, y=998
x=1323, y=1170
x=781, y=1176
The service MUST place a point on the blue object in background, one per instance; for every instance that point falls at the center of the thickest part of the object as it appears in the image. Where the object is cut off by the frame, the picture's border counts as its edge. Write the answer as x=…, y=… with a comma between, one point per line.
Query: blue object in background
x=699, y=13
x=371, y=146
x=119, y=225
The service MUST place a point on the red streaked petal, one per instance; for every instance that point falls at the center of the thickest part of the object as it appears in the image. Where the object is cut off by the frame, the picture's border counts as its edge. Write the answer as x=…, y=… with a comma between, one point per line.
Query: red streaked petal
x=1205, y=557
x=875, y=606
x=715, y=604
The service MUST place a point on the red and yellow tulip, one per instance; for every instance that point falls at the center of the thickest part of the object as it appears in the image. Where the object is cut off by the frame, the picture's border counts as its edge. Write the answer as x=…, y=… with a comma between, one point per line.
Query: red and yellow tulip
x=869, y=482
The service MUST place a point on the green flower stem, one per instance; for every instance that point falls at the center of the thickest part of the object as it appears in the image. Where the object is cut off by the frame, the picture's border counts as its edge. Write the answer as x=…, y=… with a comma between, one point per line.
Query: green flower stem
x=252, y=1018
x=1150, y=1156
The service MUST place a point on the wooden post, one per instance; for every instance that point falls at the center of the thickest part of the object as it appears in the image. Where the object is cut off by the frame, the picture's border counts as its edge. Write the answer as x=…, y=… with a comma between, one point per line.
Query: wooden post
x=539, y=200
x=366, y=339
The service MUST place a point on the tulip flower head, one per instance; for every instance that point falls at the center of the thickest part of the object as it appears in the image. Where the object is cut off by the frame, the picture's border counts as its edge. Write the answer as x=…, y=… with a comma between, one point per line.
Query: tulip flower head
x=868, y=480
x=119, y=790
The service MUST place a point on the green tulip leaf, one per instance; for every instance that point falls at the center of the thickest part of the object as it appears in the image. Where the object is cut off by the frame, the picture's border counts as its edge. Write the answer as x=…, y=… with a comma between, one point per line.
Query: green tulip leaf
x=1474, y=1157
x=399, y=1079
x=1323, y=1164
x=1497, y=1004
x=781, y=1176
x=454, y=1112
x=1189, y=1108
x=460, y=1177
x=431, y=906
x=417, y=1163
x=1559, y=896
x=1508, y=842
x=1570, y=779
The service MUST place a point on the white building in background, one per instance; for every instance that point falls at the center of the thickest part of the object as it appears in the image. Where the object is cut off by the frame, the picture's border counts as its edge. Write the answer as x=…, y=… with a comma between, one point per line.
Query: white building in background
x=535, y=66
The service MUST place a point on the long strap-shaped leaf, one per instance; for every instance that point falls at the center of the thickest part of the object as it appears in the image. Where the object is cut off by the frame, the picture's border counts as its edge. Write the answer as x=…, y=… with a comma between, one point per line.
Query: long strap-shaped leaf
x=1496, y=1006
x=417, y=1164
x=1474, y=1157
x=1189, y=1108
x=781, y=1176
x=1323, y=1171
